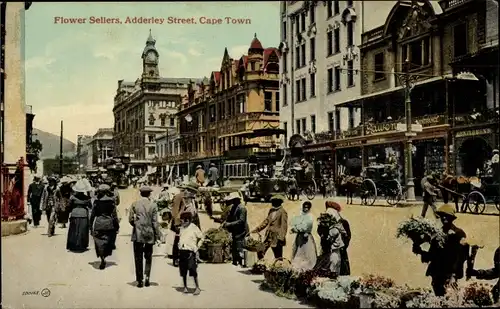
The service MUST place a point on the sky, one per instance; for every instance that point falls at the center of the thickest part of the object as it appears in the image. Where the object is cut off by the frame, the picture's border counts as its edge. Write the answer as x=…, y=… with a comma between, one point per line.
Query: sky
x=72, y=70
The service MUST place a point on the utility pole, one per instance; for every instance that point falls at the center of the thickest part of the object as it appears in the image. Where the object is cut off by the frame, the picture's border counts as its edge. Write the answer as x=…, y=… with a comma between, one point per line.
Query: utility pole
x=61, y=151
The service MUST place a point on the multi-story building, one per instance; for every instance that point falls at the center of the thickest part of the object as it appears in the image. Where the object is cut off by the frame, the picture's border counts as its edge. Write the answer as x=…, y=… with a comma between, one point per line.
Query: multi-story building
x=167, y=146
x=101, y=147
x=144, y=109
x=234, y=115
x=82, y=151
x=319, y=66
x=426, y=56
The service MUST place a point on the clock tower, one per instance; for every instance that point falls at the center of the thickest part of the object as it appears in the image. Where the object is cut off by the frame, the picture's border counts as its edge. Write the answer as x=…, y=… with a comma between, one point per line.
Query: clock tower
x=150, y=58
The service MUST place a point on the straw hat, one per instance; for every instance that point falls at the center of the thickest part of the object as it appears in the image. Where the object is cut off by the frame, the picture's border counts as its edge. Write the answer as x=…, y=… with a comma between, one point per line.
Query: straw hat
x=191, y=187
x=278, y=197
x=104, y=187
x=66, y=179
x=232, y=196
x=447, y=209
x=80, y=187
x=145, y=189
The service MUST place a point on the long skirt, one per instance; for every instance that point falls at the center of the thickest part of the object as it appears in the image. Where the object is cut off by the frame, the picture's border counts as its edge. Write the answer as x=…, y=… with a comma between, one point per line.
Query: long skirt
x=104, y=243
x=345, y=267
x=304, y=253
x=62, y=216
x=78, y=234
x=330, y=261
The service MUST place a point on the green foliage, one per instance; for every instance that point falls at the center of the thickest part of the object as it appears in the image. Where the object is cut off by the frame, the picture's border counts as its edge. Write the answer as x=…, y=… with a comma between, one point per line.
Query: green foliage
x=51, y=166
x=33, y=151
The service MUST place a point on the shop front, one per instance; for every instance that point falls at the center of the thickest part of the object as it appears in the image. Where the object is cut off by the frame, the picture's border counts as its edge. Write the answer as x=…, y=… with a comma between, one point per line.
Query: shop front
x=348, y=157
x=472, y=149
x=321, y=155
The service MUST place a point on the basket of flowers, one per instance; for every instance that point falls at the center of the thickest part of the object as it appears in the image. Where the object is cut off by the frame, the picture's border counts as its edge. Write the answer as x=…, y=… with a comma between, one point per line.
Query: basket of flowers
x=259, y=267
x=218, y=242
x=254, y=245
x=421, y=230
x=278, y=275
x=479, y=294
x=340, y=293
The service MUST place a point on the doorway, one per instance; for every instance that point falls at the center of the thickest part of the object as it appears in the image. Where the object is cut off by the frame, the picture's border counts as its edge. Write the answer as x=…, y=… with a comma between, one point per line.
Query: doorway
x=472, y=155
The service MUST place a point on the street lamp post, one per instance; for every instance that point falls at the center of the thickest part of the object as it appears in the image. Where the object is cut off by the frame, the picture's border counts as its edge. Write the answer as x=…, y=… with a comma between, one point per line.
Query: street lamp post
x=408, y=82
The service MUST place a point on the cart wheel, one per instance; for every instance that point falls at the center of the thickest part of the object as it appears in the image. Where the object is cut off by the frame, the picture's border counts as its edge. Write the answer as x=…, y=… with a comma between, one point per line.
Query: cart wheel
x=368, y=192
x=310, y=193
x=497, y=203
x=394, y=192
x=476, y=203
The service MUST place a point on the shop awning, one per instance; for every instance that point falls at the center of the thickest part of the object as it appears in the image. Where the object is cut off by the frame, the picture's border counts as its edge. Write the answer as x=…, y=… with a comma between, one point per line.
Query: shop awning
x=264, y=132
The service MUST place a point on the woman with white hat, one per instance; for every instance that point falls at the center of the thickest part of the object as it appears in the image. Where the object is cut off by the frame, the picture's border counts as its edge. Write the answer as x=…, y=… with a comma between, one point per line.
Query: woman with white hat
x=79, y=206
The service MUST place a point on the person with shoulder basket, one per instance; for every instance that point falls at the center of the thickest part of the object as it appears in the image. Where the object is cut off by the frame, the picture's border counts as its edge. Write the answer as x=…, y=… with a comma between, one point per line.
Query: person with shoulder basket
x=143, y=217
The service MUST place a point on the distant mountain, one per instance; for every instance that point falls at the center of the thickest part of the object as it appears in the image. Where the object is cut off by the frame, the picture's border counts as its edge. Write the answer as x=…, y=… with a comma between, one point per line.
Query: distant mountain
x=50, y=143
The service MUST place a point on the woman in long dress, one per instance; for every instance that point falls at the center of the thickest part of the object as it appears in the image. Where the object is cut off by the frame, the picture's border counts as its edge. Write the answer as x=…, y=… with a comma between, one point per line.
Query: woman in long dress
x=63, y=200
x=331, y=242
x=105, y=223
x=79, y=206
x=304, y=252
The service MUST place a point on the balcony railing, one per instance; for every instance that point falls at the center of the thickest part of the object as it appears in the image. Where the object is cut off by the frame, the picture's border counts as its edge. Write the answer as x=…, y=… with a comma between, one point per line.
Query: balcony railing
x=488, y=116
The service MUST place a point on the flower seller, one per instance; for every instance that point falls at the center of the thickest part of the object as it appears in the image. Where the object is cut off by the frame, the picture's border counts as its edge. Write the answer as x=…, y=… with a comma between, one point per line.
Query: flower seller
x=330, y=230
x=490, y=274
x=276, y=225
x=446, y=262
x=304, y=253
x=190, y=240
x=345, y=268
x=236, y=223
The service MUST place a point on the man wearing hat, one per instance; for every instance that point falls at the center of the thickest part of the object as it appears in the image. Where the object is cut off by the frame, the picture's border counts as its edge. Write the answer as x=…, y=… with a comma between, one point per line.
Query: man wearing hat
x=200, y=175
x=276, y=225
x=114, y=188
x=213, y=175
x=236, y=223
x=35, y=191
x=49, y=201
x=182, y=202
x=143, y=217
x=446, y=263
x=429, y=194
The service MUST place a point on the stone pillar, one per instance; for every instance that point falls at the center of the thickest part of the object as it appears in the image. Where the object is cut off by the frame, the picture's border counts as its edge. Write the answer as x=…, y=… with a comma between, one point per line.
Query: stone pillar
x=14, y=105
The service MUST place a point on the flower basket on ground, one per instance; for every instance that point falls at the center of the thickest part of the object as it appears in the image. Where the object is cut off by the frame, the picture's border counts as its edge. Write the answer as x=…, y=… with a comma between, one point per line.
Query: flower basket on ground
x=421, y=230
x=217, y=245
x=339, y=293
x=479, y=294
x=254, y=245
x=278, y=275
x=259, y=268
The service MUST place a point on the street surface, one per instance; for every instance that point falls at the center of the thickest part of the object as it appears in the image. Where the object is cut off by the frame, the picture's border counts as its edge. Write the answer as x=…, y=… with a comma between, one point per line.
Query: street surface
x=33, y=262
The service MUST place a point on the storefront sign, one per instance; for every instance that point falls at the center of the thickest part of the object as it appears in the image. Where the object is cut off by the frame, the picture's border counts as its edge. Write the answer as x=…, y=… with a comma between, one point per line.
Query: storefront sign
x=473, y=132
x=318, y=149
x=433, y=120
x=380, y=128
x=349, y=144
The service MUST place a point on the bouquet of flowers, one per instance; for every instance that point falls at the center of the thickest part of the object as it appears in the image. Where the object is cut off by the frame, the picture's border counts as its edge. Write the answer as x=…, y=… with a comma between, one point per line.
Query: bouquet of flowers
x=479, y=294
x=325, y=222
x=259, y=267
x=376, y=283
x=300, y=224
x=218, y=236
x=421, y=230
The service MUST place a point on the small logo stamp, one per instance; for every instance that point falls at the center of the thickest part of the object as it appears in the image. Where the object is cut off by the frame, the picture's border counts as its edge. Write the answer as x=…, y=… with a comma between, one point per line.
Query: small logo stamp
x=45, y=292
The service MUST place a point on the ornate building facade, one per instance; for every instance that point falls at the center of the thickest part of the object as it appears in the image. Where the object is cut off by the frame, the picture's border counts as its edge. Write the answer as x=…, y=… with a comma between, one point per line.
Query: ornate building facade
x=144, y=110
x=234, y=115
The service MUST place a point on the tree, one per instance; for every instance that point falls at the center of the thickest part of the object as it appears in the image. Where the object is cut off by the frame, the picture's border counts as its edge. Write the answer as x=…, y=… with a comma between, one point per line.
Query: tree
x=32, y=155
x=51, y=166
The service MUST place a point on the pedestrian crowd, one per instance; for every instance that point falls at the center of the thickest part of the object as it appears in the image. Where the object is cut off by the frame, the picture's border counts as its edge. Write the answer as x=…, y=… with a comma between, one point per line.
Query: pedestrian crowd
x=87, y=210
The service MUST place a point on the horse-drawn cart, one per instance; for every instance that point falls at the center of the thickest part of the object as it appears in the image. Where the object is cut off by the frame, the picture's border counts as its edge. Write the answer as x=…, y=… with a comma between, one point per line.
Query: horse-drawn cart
x=378, y=181
x=482, y=192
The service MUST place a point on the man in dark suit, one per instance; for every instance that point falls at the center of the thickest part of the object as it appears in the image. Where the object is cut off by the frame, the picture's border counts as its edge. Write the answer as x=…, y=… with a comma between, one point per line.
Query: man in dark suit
x=143, y=216
x=35, y=192
x=276, y=225
x=236, y=223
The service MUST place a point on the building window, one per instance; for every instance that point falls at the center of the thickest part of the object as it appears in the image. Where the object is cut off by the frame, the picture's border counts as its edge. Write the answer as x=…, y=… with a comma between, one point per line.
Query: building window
x=283, y=31
x=331, y=122
x=302, y=21
x=297, y=24
x=304, y=124
x=330, y=80
x=284, y=57
x=336, y=7
x=303, y=89
x=303, y=55
x=212, y=113
x=285, y=95
x=277, y=101
x=417, y=53
x=337, y=120
x=151, y=138
x=285, y=127
x=349, y=3
x=162, y=122
x=151, y=121
x=336, y=34
x=297, y=90
x=151, y=150
x=312, y=49
x=330, y=8
x=351, y=117
x=313, y=123
x=312, y=12
x=379, y=66
x=268, y=101
x=297, y=125
x=312, y=78
x=460, y=40
x=252, y=66
x=350, y=74
x=350, y=33
x=172, y=121
x=337, y=79
x=297, y=56
x=329, y=43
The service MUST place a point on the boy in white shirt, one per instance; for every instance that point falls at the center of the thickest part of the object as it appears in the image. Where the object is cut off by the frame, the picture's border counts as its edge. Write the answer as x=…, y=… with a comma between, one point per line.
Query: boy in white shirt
x=190, y=240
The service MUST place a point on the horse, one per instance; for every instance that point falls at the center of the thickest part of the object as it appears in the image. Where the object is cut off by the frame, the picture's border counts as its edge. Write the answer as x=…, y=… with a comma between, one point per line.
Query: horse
x=349, y=184
x=461, y=185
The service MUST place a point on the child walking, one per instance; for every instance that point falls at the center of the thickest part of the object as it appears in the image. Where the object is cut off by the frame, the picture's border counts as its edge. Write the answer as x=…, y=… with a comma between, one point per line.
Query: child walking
x=190, y=239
